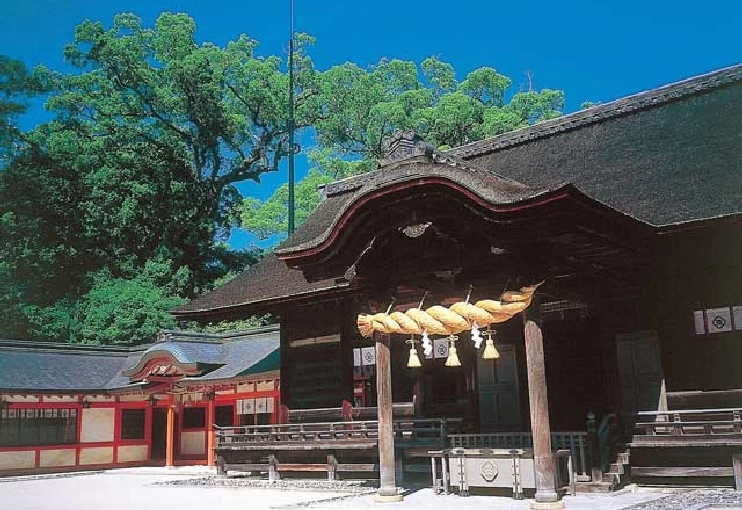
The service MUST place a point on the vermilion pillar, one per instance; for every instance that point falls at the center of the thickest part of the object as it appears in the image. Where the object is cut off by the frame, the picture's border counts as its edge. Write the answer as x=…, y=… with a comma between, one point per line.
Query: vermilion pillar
x=170, y=440
x=210, y=431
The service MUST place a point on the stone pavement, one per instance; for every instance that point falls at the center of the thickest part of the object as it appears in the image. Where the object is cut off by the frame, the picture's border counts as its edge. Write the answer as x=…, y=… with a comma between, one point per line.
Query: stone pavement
x=139, y=488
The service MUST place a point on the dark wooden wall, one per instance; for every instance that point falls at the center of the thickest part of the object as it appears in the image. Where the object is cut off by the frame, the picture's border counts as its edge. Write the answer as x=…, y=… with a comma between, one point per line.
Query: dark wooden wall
x=575, y=371
x=700, y=269
x=319, y=375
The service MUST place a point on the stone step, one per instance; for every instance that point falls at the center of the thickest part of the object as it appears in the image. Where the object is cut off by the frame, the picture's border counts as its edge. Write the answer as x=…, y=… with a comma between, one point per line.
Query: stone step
x=601, y=487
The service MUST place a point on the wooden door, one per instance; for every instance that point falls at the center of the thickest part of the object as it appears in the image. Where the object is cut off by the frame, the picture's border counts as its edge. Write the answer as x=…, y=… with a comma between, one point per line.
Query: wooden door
x=640, y=373
x=499, y=402
x=159, y=434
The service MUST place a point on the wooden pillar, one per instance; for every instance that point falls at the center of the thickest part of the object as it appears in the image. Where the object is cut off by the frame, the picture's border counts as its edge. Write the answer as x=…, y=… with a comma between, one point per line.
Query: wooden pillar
x=273, y=473
x=285, y=378
x=210, y=410
x=546, y=495
x=170, y=439
x=388, y=485
x=737, y=470
x=347, y=340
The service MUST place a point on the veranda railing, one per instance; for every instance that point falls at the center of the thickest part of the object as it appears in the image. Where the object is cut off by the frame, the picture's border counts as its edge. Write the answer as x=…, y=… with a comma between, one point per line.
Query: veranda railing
x=688, y=424
x=432, y=432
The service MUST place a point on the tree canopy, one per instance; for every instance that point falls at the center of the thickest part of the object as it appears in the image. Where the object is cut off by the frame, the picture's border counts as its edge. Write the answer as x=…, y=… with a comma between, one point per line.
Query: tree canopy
x=16, y=87
x=119, y=208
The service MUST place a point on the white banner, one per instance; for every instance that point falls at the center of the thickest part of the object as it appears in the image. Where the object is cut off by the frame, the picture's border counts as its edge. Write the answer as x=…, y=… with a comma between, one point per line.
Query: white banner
x=248, y=406
x=261, y=405
x=719, y=319
x=357, y=357
x=737, y=313
x=700, y=322
x=440, y=348
x=368, y=356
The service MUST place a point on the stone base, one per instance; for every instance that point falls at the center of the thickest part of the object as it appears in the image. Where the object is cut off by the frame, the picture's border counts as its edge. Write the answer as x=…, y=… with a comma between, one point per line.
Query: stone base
x=391, y=498
x=551, y=505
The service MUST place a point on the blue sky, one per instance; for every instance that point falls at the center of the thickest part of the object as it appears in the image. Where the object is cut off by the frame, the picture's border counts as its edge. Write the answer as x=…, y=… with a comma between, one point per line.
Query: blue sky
x=594, y=51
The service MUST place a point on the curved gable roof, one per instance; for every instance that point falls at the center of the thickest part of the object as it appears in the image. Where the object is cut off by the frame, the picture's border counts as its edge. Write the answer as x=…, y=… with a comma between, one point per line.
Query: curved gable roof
x=344, y=195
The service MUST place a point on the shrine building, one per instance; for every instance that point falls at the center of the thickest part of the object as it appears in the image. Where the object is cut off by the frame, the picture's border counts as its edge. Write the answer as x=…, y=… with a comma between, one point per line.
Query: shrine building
x=72, y=407
x=629, y=216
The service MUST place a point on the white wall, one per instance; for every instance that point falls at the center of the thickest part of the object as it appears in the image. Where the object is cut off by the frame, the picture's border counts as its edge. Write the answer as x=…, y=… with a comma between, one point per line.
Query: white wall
x=97, y=425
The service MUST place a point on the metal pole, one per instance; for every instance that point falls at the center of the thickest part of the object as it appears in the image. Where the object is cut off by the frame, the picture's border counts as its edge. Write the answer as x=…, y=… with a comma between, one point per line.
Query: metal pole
x=291, y=119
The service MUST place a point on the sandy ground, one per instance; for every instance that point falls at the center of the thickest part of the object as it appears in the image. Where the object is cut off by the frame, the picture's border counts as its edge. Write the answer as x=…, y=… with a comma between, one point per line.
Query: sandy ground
x=135, y=489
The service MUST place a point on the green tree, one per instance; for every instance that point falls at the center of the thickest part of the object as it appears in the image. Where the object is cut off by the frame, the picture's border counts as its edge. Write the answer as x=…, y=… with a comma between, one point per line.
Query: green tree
x=42, y=247
x=219, y=111
x=151, y=133
x=115, y=310
x=131, y=311
x=361, y=107
x=16, y=87
x=265, y=218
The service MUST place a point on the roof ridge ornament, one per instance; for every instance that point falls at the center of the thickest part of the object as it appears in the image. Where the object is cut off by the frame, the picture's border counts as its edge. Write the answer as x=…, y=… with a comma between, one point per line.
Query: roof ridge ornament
x=404, y=145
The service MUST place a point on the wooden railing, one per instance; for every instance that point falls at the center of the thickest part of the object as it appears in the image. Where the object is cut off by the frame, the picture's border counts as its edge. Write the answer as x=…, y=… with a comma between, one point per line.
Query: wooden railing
x=691, y=425
x=428, y=432
x=698, y=428
x=345, y=413
x=296, y=433
x=575, y=441
x=408, y=433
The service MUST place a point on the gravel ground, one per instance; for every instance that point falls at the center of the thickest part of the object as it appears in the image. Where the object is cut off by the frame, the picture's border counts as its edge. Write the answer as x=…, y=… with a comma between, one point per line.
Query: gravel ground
x=345, y=486
x=425, y=500
x=695, y=500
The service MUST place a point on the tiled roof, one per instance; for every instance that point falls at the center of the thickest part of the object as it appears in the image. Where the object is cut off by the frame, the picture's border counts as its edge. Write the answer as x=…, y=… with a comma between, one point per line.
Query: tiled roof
x=47, y=366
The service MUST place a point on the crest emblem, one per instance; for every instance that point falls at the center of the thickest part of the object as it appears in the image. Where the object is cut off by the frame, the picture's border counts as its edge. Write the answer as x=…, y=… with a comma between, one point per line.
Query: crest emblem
x=489, y=471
